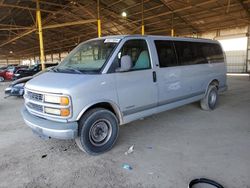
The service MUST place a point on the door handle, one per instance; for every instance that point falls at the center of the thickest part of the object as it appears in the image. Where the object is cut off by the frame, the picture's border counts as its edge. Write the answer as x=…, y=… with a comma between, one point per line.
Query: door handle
x=154, y=76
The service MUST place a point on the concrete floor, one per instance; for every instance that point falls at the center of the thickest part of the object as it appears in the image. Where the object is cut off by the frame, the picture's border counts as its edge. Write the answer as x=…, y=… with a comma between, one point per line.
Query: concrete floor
x=171, y=148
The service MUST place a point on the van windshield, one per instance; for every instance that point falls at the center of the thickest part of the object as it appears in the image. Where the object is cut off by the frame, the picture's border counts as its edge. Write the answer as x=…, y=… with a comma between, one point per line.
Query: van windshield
x=88, y=57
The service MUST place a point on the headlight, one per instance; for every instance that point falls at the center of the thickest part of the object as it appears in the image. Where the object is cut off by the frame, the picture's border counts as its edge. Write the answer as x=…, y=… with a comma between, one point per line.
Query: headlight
x=17, y=74
x=59, y=112
x=62, y=100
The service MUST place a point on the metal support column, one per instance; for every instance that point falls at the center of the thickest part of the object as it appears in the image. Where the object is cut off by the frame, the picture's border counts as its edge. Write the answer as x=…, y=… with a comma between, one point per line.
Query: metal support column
x=248, y=51
x=142, y=18
x=98, y=19
x=172, y=26
x=39, y=23
x=60, y=59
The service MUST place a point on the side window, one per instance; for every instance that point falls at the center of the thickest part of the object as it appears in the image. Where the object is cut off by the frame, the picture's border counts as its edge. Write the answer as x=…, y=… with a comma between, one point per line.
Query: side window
x=38, y=67
x=138, y=51
x=213, y=52
x=166, y=53
x=189, y=53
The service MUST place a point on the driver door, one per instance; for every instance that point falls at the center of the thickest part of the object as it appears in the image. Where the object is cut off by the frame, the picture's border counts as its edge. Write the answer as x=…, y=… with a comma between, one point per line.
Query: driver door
x=136, y=88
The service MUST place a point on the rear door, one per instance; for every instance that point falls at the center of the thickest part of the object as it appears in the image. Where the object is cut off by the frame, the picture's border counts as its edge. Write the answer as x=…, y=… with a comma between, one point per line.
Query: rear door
x=194, y=66
x=169, y=74
x=136, y=89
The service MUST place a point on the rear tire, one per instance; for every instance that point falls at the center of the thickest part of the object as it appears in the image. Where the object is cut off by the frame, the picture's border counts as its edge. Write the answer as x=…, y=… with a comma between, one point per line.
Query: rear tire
x=97, y=132
x=210, y=100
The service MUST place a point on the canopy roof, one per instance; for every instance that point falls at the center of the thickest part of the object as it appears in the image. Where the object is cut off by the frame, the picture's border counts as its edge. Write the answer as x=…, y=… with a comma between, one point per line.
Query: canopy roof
x=68, y=22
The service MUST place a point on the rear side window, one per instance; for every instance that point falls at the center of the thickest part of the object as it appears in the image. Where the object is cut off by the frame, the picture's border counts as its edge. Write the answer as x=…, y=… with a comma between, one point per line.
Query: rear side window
x=166, y=53
x=190, y=53
x=213, y=52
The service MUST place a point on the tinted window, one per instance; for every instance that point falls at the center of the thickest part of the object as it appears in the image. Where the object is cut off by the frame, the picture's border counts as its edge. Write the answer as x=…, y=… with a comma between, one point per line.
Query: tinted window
x=138, y=51
x=11, y=69
x=166, y=53
x=189, y=53
x=212, y=52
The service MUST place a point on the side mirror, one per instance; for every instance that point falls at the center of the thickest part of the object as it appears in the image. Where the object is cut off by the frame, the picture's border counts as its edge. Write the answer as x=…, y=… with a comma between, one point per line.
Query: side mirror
x=126, y=64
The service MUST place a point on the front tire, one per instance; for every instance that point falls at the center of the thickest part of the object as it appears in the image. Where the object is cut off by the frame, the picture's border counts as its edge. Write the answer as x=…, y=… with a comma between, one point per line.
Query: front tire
x=209, y=102
x=98, y=131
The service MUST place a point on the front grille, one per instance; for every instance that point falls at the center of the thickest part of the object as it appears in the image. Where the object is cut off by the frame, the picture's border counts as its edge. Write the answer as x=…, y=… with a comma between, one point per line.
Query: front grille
x=35, y=96
x=36, y=107
x=34, y=102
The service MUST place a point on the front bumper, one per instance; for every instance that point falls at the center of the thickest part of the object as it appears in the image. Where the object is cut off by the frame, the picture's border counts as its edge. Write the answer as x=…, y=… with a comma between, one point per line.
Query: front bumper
x=50, y=129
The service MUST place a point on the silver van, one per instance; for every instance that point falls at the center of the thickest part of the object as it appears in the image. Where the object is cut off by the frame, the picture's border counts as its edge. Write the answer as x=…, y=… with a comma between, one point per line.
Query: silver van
x=110, y=81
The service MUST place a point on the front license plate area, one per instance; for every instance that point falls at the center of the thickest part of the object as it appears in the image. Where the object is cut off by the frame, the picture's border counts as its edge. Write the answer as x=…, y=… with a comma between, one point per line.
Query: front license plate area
x=39, y=132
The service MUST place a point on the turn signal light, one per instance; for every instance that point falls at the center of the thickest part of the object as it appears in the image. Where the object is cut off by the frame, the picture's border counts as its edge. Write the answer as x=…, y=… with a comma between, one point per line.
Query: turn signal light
x=64, y=101
x=65, y=112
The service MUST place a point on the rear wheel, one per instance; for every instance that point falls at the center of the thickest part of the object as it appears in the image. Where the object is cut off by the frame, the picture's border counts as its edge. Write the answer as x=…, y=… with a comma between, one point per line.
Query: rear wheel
x=98, y=131
x=209, y=102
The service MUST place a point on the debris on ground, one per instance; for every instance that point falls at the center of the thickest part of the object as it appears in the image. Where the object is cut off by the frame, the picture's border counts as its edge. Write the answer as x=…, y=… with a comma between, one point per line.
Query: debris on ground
x=127, y=167
x=149, y=147
x=43, y=156
x=130, y=150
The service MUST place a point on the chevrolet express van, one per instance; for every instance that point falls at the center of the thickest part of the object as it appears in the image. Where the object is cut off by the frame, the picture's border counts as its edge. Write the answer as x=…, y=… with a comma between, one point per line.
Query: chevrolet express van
x=110, y=81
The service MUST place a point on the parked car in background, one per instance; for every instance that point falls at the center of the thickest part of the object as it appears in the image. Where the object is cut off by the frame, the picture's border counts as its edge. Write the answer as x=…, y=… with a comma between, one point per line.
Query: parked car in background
x=9, y=75
x=31, y=71
x=2, y=73
x=7, y=72
x=2, y=68
x=110, y=81
x=16, y=88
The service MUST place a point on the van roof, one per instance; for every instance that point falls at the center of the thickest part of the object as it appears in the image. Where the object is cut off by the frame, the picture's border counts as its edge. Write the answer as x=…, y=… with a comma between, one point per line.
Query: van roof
x=158, y=37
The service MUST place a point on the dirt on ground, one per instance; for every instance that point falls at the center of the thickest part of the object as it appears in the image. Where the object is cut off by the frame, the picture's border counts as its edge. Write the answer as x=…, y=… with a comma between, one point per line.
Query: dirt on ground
x=170, y=149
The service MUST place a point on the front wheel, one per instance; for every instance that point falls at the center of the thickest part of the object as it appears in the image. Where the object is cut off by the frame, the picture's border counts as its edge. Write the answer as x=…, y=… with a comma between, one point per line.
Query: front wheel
x=98, y=131
x=210, y=100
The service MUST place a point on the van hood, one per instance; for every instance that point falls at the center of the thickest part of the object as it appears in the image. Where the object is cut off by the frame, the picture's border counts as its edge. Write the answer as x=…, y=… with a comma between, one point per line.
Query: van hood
x=59, y=83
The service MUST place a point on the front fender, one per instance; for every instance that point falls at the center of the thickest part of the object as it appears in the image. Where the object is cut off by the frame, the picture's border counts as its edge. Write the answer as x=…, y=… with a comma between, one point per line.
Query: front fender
x=112, y=103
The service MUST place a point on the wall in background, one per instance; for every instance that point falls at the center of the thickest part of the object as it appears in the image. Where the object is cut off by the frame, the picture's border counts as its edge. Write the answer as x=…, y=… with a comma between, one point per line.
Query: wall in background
x=234, y=44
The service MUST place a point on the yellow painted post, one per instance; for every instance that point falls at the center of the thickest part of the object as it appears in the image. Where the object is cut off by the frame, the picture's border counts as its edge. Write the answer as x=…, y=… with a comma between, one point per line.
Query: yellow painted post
x=39, y=23
x=99, y=28
x=172, y=26
x=172, y=32
x=142, y=18
x=142, y=30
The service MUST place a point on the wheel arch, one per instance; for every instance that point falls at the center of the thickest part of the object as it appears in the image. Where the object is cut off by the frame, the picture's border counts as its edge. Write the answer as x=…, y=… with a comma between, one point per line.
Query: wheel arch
x=212, y=82
x=109, y=105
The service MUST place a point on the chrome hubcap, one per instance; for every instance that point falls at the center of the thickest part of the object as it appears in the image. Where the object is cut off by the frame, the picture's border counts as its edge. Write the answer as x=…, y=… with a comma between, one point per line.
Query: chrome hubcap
x=100, y=132
x=212, y=98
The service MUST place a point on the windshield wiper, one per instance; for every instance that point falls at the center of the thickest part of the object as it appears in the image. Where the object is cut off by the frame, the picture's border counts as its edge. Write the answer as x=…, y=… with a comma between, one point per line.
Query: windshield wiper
x=67, y=70
x=74, y=70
